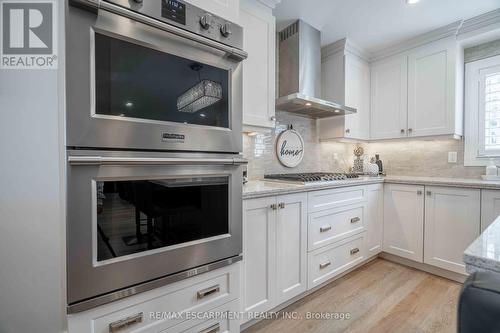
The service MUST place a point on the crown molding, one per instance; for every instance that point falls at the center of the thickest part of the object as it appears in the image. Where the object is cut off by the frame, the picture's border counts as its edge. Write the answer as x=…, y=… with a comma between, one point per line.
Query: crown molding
x=344, y=46
x=481, y=23
x=428, y=37
x=270, y=3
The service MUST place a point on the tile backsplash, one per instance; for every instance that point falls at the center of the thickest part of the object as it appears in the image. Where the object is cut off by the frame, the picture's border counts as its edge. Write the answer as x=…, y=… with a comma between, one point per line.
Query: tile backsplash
x=423, y=157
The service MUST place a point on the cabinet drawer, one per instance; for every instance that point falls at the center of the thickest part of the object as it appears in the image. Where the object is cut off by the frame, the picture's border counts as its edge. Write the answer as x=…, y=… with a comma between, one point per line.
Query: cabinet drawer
x=326, y=199
x=136, y=313
x=220, y=321
x=329, y=261
x=329, y=226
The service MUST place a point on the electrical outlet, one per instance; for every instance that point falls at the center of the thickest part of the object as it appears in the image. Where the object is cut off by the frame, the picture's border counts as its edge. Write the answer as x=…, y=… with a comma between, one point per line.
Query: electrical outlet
x=452, y=157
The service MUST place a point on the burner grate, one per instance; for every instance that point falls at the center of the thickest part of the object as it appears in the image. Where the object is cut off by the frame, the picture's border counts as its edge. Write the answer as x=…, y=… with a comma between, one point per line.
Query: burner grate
x=311, y=176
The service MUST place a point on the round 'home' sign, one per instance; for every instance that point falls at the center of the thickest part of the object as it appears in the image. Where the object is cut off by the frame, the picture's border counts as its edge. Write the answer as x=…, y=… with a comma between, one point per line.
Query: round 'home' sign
x=290, y=148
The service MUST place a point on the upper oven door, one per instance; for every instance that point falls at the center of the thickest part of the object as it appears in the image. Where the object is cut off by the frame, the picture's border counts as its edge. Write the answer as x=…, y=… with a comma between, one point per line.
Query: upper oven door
x=132, y=219
x=134, y=86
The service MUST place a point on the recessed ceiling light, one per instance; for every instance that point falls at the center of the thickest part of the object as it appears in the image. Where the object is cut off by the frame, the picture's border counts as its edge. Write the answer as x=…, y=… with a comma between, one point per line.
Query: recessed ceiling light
x=308, y=104
x=337, y=111
x=411, y=2
x=129, y=104
x=202, y=115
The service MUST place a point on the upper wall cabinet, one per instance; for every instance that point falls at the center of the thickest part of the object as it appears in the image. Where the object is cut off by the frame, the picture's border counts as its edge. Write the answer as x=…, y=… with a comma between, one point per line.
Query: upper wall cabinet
x=435, y=90
x=228, y=9
x=419, y=92
x=345, y=79
x=389, y=111
x=259, y=68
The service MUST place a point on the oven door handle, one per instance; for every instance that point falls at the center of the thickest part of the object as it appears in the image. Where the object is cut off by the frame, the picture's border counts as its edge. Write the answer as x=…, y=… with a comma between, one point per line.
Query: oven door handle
x=110, y=160
x=233, y=53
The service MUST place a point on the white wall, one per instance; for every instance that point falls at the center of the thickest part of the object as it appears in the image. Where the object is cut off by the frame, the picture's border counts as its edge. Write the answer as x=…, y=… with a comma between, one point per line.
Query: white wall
x=32, y=227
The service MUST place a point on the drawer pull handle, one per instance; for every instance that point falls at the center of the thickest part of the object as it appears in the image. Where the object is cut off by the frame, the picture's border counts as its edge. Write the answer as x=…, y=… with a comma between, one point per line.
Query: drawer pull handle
x=125, y=323
x=325, y=264
x=274, y=206
x=355, y=219
x=325, y=229
x=281, y=205
x=211, y=329
x=208, y=291
x=354, y=251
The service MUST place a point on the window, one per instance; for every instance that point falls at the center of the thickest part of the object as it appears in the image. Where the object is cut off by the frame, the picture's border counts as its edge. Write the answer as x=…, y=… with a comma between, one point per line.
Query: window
x=482, y=111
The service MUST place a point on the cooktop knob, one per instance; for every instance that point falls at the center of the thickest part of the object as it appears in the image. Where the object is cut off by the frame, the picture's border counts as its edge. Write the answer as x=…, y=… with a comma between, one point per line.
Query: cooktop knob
x=225, y=29
x=205, y=21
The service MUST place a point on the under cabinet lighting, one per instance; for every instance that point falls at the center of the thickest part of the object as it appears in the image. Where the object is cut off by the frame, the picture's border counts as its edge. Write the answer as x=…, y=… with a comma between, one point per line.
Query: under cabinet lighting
x=308, y=104
x=411, y=2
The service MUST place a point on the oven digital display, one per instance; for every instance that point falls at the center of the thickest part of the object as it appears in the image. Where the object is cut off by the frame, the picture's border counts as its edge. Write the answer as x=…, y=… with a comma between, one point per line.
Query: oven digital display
x=174, y=10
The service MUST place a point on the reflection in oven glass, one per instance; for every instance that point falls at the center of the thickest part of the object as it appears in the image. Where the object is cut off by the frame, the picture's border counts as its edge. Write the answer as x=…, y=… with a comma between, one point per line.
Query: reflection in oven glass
x=140, y=215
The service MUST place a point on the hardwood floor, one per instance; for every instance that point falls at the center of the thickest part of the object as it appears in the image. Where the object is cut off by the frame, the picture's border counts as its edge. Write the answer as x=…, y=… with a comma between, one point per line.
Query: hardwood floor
x=380, y=296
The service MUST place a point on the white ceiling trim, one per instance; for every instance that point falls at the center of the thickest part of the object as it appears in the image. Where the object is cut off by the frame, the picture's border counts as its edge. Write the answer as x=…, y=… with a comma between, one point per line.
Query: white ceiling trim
x=270, y=3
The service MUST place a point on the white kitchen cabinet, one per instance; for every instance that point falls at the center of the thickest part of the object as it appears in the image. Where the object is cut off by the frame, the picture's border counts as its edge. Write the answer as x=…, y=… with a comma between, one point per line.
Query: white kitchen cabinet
x=404, y=221
x=374, y=219
x=259, y=79
x=434, y=91
x=451, y=225
x=291, y=246
x=227, y=9
x=274, y=250
x=259, y=255
x=389, y=95
x=345, y=79
x=490, y=207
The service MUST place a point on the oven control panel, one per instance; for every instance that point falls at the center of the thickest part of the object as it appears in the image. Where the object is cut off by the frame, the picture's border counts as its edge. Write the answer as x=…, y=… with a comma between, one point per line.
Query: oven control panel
x=188, y=17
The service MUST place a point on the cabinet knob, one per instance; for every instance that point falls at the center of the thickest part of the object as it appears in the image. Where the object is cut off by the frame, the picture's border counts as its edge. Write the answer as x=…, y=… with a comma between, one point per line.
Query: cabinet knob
x=429, y=193
x=348, y=131
x=272, y=118
x=419, y=192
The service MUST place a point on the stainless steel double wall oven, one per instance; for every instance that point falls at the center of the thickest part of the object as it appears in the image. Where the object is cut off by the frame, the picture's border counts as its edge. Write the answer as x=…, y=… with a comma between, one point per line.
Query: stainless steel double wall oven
x=153, y=132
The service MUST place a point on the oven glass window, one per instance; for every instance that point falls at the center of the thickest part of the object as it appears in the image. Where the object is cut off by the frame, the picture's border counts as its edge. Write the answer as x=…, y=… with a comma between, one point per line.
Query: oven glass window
x=141, y=215
x=139, y=82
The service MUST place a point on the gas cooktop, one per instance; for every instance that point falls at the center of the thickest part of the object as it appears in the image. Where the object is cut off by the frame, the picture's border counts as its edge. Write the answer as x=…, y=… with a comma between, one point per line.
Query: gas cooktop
x=310, y=177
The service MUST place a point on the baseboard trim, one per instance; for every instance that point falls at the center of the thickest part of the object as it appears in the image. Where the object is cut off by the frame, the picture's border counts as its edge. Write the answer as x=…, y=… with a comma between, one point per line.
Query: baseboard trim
x=457, y=277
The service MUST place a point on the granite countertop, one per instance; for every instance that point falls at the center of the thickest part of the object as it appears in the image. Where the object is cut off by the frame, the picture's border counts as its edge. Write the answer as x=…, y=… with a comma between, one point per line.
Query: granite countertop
x=484, y=252
x=456, y=182
x=262, y=188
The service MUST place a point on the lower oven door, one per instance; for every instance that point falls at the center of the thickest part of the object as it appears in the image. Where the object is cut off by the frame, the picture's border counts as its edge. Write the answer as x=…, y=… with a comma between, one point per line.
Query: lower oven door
x=134, y=219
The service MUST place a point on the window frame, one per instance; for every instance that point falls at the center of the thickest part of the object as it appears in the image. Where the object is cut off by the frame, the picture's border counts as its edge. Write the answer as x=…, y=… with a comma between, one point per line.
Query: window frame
x=475, y=73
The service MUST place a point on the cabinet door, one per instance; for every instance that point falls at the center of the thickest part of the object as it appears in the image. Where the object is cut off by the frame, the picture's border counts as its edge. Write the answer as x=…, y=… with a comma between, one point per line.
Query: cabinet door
x=291, y=246
x=431, y=90
x=357, y=95
x=374, y=219
x=259, y=255
x=451, y=225
x=389, y=82
x=259, y=67
x=404, y=221
x=490, y=207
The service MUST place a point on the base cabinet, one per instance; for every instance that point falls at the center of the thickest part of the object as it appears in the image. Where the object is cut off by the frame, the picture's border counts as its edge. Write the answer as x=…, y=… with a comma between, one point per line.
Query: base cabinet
x=490, y=207
x=274, y=251
x=374, y=219
x=451, y=225
x=404, y=221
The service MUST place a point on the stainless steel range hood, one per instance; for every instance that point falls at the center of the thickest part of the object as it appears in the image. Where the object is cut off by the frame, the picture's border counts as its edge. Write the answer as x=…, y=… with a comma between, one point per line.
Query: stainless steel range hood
x=300, y=74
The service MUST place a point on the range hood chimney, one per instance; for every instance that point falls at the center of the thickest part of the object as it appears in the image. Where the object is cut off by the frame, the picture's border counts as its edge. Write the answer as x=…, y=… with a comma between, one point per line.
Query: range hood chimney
x=300, y=74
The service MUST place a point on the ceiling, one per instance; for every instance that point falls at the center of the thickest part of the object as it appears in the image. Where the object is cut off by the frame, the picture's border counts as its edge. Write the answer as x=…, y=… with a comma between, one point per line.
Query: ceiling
x=376, y=24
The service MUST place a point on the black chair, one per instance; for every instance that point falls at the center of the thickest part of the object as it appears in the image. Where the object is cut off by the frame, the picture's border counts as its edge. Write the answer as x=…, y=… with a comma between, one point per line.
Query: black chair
x=479, y=304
